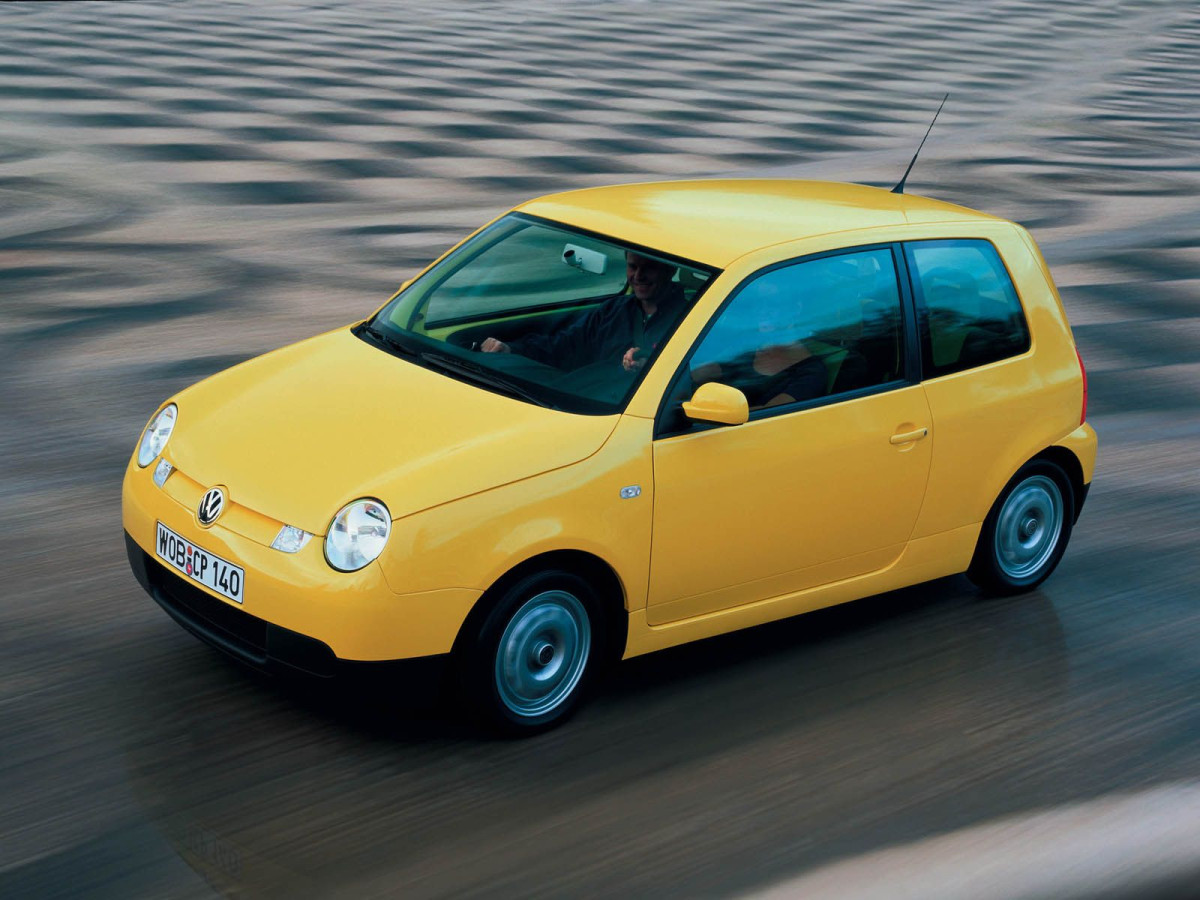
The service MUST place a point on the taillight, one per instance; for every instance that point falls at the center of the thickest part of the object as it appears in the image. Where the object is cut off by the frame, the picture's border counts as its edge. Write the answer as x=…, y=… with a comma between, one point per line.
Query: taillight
x=1083, y=372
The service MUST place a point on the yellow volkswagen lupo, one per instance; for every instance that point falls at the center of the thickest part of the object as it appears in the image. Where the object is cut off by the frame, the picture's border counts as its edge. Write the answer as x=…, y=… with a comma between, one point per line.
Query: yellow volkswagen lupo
x=619, y=419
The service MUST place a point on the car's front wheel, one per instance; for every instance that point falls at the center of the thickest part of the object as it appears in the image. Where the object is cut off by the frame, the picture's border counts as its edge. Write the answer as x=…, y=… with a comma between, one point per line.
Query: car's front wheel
x=531, y=658
x=1026, y=532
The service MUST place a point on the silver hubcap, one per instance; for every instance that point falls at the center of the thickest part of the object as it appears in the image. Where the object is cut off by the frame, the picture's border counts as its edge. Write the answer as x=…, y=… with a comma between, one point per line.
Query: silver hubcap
x=542, y=653
x=1028, y=528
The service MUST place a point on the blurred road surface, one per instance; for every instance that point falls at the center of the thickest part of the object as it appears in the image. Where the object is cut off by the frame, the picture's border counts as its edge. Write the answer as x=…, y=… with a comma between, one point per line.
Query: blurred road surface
x=183, y=186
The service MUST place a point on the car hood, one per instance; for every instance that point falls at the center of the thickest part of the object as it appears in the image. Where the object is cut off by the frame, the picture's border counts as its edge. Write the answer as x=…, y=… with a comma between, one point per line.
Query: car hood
x=298, y=433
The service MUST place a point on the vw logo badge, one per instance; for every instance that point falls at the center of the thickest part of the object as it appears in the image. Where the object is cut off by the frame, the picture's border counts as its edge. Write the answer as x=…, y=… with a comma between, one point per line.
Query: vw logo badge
x=211, y=505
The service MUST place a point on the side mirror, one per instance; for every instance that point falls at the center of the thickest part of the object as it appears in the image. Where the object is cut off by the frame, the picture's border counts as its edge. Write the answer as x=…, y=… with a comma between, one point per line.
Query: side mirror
x=720, y=403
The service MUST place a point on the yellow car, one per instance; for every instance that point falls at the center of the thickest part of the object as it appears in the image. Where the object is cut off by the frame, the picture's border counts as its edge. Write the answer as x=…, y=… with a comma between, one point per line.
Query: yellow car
x=620, y=419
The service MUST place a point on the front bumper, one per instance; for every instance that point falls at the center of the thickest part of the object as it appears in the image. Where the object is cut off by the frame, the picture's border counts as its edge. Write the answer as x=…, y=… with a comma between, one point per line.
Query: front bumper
x=294, y=601
x=251, y=640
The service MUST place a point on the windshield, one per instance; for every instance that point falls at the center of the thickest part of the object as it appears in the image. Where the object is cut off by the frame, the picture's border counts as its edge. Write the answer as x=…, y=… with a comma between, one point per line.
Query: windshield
x=539, y=311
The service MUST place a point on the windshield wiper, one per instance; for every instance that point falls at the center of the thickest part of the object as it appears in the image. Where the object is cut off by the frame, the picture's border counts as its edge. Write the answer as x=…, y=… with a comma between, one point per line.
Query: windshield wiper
x=386, y=340
x=482, y=375
x=445, y=362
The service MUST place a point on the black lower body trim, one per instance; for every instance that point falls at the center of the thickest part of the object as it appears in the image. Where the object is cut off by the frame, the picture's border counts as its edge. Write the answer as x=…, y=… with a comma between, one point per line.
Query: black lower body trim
x=249, y=639
x=1080, y=500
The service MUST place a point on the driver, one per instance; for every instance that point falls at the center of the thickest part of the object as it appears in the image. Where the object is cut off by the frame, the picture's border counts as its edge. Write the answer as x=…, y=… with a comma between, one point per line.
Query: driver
x=625, y=328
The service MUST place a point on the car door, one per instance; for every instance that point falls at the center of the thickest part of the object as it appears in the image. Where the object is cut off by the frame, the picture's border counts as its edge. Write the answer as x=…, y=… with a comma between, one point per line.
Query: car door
x=826, y=479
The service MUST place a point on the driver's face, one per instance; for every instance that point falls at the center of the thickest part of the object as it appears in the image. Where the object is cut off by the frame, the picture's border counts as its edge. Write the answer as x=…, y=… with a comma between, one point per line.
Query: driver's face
x=646, y=276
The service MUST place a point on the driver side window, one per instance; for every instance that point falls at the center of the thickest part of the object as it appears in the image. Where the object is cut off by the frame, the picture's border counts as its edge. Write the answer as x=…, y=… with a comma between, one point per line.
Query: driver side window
x=807, y=330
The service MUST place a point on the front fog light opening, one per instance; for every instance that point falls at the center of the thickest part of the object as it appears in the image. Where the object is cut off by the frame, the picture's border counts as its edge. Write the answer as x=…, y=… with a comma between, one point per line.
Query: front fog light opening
x=290, y=539
x=357, y=535
x=162, y=471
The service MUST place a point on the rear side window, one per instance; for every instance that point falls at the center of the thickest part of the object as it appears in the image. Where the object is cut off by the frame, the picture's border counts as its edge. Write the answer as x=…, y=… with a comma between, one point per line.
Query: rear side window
x=968, y=307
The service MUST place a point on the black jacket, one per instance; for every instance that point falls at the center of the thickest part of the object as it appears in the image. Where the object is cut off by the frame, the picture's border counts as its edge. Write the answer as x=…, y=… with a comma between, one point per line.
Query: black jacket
x=605, y=332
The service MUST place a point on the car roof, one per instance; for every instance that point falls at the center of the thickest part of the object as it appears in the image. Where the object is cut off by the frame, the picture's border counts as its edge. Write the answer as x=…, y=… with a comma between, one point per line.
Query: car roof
x=716, y=221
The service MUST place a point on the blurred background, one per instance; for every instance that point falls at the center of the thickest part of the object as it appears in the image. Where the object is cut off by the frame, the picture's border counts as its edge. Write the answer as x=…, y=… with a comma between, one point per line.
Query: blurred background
x=183, y=186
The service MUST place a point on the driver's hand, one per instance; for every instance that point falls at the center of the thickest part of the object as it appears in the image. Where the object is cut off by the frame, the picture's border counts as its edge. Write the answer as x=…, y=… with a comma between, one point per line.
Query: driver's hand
x=633, y=359
x=492, y=345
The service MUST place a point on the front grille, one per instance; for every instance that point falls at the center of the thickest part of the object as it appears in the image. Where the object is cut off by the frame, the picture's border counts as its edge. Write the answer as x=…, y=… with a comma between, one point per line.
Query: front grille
x=239, y=632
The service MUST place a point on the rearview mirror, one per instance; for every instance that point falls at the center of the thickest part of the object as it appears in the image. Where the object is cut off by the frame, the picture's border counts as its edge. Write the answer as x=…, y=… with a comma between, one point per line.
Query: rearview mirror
x=584, y=259
x=720, y=403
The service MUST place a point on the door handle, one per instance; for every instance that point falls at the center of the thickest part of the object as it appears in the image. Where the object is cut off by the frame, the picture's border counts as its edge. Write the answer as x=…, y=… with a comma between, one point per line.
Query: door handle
x=908, y=437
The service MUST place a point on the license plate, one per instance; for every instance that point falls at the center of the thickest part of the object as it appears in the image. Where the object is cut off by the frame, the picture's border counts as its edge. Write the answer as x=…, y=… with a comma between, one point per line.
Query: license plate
x=199, y=565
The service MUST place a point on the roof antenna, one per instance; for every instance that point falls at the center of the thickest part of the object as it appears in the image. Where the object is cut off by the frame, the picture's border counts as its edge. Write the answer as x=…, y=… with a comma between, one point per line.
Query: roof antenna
x=899, y=188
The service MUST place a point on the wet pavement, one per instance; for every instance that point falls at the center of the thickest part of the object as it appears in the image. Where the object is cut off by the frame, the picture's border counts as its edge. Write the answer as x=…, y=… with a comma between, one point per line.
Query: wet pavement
x=185, y=186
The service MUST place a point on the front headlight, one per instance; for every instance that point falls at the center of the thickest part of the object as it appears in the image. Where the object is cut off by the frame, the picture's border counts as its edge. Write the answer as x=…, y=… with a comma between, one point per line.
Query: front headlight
x=156, y=435
x=357, y=535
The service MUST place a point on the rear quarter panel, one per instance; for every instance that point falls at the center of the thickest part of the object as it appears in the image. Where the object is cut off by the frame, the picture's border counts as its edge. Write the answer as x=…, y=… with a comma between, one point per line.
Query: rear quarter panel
x=990, y=420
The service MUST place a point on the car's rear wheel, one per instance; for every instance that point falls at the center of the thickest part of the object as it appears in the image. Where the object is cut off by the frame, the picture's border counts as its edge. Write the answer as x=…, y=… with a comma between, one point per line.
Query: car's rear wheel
x=1026, y=531
x=531, y=658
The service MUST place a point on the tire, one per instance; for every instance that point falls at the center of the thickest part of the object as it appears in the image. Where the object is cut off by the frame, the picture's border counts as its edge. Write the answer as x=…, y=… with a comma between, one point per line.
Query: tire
x=1026, y=531
x=525, y=666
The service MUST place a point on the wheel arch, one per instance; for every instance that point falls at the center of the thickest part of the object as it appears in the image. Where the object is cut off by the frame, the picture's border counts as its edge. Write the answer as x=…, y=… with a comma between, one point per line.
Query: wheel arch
x=1069, y=463
x=592, y=568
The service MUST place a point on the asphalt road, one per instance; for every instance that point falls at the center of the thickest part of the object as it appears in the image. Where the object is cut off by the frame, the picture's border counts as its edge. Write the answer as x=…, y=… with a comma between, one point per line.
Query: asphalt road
x=185, y=186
